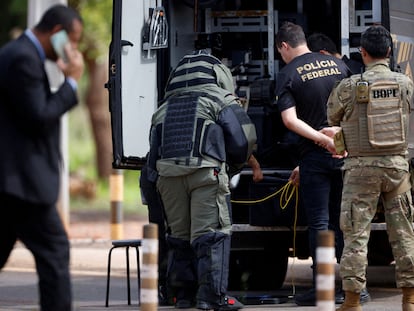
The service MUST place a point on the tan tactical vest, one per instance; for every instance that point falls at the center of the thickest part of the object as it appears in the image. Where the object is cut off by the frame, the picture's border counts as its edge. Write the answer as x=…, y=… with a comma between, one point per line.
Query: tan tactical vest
x=378, y=123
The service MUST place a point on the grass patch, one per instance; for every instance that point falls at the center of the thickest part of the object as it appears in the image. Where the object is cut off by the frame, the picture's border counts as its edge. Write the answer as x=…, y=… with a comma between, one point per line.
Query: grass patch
x=132, y=197
x=82, y=164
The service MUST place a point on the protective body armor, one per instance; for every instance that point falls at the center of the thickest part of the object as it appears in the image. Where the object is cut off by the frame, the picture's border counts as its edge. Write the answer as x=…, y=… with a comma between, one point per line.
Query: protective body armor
x=200, y=124
x=378, y=122
x=191, y=72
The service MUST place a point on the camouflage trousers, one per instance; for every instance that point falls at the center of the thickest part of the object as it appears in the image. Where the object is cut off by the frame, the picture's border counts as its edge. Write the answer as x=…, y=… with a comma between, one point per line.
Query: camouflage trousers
x=363, y=187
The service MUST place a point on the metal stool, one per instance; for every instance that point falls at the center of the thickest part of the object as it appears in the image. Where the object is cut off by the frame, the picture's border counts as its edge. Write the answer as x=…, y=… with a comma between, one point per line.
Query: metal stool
x=127, y=244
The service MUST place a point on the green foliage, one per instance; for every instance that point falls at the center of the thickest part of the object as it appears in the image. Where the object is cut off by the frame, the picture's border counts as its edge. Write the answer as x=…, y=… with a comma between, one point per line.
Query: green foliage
x=97, y=17
x=97, y=21
x=13, y=14
x=17, y=7
x=81, y=146
x=82, y=164
x=132, y=198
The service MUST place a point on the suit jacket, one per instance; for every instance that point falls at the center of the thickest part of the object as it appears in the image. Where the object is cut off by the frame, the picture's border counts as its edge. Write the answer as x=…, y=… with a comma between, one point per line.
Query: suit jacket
x=30, y=124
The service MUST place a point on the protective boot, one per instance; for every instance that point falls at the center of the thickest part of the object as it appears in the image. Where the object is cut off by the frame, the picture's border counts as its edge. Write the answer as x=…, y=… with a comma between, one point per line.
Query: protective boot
x=351, y=302
x=164, y=296
x=408, y=299
x=213, y=253
x=182, y=272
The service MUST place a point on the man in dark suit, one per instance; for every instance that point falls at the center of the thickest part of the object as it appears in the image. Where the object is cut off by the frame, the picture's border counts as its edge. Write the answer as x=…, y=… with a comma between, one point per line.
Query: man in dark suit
x=30, y=159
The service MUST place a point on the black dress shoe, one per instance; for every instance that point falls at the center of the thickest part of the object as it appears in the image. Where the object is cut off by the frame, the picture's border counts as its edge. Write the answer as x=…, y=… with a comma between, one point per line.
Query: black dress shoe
x=340, y=296
x=306, y=299
x=230, y=303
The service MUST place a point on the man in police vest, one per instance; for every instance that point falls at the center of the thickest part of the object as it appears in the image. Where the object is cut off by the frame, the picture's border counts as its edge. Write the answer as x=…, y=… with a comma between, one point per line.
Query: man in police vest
x=372, y=111
x=198, y=134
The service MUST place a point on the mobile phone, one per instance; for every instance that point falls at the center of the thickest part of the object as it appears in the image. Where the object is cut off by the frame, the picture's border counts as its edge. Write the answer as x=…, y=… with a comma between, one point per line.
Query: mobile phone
x=59, y=41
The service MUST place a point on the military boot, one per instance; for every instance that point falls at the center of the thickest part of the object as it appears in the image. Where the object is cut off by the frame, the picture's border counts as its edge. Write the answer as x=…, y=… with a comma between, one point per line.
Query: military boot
x=364, y=296
x=351, y=302
x=408, y=299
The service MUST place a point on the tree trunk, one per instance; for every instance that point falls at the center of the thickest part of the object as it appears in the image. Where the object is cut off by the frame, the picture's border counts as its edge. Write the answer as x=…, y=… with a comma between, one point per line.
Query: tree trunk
x=97, y=103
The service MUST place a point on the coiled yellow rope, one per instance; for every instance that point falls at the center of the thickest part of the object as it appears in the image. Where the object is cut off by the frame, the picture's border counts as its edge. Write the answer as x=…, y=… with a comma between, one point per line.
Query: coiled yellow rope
x=286, y=194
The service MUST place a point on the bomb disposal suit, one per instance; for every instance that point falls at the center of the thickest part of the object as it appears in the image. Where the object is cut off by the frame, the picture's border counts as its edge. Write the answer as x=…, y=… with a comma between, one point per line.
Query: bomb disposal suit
x=373, y=111
x=197, y=134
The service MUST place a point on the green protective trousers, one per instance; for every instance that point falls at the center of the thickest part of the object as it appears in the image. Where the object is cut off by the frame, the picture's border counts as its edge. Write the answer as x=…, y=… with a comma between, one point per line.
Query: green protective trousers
x=196, y=204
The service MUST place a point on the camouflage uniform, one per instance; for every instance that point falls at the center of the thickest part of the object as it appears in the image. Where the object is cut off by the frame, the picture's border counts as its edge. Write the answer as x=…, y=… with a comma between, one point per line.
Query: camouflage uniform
x=366, y=180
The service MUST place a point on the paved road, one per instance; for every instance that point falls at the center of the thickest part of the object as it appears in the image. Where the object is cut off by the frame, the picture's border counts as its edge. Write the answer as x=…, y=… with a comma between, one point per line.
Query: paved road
x=18, y=288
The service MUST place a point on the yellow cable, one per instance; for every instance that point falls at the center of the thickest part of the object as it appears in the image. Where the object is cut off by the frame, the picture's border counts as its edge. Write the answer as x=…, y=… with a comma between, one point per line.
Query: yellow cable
x=286, y=194
x=283, y=190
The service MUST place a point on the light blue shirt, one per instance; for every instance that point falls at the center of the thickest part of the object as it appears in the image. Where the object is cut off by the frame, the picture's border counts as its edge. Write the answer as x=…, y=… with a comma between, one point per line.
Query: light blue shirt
x=29, y=33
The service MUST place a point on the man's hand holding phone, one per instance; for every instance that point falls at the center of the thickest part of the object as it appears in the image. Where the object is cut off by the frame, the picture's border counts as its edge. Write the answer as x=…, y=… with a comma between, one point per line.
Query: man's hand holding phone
x=59, y=40
x=70, y=59
x=74, y=67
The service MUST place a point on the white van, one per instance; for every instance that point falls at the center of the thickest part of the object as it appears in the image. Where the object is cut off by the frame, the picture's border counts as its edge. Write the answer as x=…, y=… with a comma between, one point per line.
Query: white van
x=149, y=37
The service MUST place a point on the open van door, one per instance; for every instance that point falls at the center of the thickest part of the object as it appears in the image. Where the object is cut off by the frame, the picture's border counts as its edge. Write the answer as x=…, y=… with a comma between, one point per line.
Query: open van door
x=132, y=83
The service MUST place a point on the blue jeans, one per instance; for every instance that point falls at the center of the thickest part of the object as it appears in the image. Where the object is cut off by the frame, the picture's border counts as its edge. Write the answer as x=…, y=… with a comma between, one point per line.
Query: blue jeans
x=321, y=191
